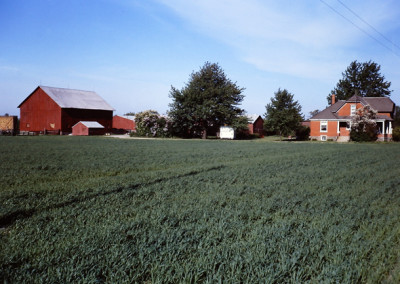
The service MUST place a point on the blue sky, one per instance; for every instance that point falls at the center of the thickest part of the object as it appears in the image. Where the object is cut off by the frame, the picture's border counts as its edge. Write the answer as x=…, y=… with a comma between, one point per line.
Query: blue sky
x=131, y=52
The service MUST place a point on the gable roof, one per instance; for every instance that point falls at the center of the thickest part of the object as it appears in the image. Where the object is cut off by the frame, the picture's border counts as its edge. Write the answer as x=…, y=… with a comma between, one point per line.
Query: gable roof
x=253, y=117
x=90, y=124
x=69, y=98
x=330, y=112
x=379, y=104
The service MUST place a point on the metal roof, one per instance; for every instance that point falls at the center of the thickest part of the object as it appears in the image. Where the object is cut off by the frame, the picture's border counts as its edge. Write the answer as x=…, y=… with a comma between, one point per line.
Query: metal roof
x=253, y=117
x=69, y=98
x=91, y=124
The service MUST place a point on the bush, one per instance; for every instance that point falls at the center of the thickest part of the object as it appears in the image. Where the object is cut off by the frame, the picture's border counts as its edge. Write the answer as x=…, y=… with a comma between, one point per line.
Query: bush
x=150, y=123
x=364, y=128
x=303, y=133
x=396, y=134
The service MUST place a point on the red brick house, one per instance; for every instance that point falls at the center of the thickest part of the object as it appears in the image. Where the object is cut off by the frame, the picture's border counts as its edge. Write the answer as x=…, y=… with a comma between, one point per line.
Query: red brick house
x=123, y=124
x=56, y=110
x=334, y=122
x=256, y=124
x=85, y=128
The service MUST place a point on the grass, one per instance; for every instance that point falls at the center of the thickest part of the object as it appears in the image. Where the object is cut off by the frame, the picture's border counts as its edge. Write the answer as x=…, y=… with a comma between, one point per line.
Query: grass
x=94, y=209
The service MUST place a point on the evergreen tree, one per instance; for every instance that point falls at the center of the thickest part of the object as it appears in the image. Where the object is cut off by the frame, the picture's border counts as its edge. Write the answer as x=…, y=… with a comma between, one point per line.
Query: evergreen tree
x=363, y=79
x=283, y=114
x=208, y=101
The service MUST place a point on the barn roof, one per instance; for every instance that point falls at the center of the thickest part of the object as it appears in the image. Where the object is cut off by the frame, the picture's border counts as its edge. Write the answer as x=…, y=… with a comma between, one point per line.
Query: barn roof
x=69, y=98
x=253, y=117
x=90, y=124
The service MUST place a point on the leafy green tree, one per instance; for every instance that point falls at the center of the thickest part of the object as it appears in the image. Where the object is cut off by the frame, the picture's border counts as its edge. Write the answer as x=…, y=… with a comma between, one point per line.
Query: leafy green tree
x=314, y=112
x=396, y=134
x=208, y=101
x=150, y=123
x=283, y=114
x=396, y=117
x=363, y=125
x=363, y=79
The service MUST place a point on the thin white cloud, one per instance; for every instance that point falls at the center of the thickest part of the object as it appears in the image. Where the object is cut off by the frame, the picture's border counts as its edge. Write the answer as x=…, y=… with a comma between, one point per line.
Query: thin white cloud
x=300, y=38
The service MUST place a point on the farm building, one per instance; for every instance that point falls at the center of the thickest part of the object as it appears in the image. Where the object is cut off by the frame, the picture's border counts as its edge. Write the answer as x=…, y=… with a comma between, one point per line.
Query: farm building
x=85, y=128
x=56, y=110
x=8, y=125
x=123, y=124
x=256, y=124
x=334, y=122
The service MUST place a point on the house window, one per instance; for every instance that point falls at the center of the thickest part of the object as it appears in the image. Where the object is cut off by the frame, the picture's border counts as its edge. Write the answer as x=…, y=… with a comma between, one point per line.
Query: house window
x=352, y=109
x=323, y=137
x=347, y=125
x=324, y=126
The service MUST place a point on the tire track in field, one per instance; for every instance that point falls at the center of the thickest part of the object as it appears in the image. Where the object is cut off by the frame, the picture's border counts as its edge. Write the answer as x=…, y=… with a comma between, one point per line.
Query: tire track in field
x=10, y=218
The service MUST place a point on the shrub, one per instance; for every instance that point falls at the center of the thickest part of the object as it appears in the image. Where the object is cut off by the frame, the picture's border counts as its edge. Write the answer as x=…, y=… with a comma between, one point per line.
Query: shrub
x=396, y=134
x=303, y=133
x=150, y=123
x=364, y=128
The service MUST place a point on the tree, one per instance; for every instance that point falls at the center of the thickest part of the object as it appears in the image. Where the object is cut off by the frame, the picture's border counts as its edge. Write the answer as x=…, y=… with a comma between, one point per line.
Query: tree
x=314, y=112
x=150, y=123
x=208, y=101
x=396, y=117
x=283, y=114
x=363, y=79
x=131, y=113
x=363, y=125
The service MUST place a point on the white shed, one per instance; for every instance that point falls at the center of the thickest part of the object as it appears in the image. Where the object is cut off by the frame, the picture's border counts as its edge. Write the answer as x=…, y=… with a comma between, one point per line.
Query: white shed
x=226, y=132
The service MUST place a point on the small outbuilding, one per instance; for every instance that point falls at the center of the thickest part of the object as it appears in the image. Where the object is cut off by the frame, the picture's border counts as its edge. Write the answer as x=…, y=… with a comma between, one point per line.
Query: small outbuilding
x=256, y=124
x=123, y=124
x=85, y=128
x=226, y=132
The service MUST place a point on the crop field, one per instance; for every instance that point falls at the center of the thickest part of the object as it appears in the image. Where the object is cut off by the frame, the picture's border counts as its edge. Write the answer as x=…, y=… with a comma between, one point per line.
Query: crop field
x=104, y=210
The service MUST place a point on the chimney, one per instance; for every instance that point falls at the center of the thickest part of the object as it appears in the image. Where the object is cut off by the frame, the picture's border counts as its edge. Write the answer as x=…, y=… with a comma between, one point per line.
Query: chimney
x=333, y=99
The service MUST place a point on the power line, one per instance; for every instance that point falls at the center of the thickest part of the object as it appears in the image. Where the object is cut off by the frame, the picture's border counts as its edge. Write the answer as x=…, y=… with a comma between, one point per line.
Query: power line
x=365, y=22
x=361, y=29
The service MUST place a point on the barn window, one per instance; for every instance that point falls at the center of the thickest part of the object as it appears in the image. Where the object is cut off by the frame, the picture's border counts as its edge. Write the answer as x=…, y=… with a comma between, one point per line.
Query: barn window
x=28, y=125
x=324, y=126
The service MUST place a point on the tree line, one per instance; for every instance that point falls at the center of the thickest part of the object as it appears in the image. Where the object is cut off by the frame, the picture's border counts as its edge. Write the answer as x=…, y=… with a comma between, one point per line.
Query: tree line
x=210, y=100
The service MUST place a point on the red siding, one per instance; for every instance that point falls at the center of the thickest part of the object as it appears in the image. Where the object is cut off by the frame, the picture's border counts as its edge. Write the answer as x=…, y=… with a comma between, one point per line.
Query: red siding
x=257, y=126
x=71, y=116
x=80, y=129
x=39, y=112
x=120, y=122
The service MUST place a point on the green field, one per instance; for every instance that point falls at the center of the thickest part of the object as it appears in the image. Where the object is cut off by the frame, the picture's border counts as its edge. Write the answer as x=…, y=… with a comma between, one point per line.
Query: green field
x=96, y=209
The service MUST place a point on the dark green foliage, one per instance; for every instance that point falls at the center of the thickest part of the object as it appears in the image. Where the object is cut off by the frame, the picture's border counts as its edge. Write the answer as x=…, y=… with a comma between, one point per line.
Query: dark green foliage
x=283, y=114
x=208, y=101
x=363, y=79
x=396, y=134
x=303, y=133
x=96, y=209
x=396, y=117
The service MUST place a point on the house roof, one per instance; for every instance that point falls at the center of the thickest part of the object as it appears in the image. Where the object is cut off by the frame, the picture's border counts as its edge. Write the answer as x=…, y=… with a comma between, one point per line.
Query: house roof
x=379, y=104
x=330, y=112
x=253, y=117
x=90, y=124
x=69, y=98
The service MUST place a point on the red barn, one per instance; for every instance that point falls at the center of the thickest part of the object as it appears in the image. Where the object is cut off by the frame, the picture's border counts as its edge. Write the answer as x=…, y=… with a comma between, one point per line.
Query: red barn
x=88, y=128
x=56, y=110
x=123, y=123
x=256, y=124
